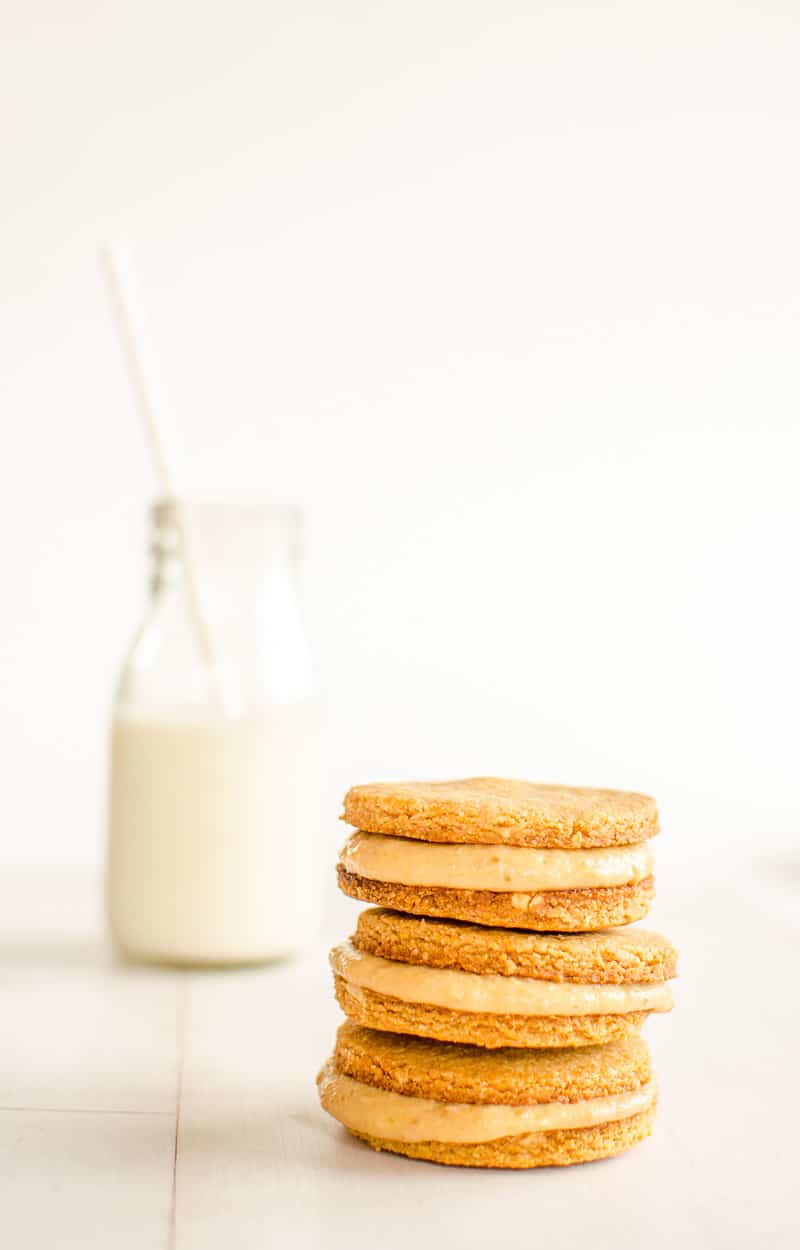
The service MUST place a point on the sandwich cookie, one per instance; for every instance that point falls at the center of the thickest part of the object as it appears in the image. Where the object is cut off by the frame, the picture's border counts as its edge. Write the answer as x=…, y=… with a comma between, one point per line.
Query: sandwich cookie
x=507, y=853
x=475, y=1108
x=487, y=987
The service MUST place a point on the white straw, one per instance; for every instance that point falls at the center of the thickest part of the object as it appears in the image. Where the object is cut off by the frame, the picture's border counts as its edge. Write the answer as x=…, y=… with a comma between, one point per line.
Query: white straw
x=157, y=413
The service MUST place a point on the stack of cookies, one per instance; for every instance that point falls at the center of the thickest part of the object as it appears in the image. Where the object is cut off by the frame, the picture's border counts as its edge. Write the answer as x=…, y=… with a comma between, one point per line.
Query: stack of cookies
x=494, y=1001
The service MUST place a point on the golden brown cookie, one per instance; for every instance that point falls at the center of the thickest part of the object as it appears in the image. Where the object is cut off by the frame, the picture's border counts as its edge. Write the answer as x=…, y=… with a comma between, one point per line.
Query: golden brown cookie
x=503, y=1108
x=491, y=809
x=559, y=1148
x=567, y=911
x=413, y=1065
x=491, y=1030
x=495, y=988
x=612, y=956
x=506, y=853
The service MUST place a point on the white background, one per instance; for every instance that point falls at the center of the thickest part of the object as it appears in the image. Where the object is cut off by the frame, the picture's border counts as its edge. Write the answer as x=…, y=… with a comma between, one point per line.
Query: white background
x=507, y=295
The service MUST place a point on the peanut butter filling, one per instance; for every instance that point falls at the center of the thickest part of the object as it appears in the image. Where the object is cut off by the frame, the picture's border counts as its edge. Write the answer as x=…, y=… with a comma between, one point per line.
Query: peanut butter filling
x=474, y=866
x=400, y=1117
x=488, y=992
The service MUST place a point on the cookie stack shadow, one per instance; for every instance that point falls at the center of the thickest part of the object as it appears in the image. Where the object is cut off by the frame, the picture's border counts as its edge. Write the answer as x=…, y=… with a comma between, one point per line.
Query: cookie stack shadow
x=495, y=995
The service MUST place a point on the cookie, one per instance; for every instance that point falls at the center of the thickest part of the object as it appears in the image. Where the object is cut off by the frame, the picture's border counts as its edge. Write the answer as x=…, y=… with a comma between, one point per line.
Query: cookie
x=508, y=853
x=475, y=1108
x=514, y=813
x=619, y=956
x=513, y=887
x=497, y=988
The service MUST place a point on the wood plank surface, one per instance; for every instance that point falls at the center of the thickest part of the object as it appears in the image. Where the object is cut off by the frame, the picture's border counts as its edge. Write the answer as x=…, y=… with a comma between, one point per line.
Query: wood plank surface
x=153, y=1109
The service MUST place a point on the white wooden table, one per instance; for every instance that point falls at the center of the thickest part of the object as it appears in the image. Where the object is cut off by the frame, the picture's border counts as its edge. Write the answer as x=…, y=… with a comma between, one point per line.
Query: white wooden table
x=149, y=1109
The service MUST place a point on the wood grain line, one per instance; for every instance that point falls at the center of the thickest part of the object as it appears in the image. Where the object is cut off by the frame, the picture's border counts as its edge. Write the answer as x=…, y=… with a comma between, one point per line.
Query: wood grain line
x=84, y=1111
x=182, y=1014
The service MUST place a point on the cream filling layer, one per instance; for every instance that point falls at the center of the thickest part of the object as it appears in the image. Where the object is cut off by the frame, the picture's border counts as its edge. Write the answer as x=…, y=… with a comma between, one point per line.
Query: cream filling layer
x=472, y=866
x=401, y=1117
x=488, y=992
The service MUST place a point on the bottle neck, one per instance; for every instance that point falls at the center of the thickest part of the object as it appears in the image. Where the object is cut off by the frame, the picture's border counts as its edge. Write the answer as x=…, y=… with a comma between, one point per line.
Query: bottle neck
x=245, y=583
x=274, y=574
x=235, y=550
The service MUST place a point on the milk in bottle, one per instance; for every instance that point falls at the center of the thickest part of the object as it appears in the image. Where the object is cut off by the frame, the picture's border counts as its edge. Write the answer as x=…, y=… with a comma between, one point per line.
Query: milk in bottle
x=215, y=813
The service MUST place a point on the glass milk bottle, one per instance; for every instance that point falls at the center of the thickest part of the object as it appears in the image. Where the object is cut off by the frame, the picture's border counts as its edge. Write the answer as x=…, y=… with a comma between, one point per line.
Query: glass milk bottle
x=215, y=814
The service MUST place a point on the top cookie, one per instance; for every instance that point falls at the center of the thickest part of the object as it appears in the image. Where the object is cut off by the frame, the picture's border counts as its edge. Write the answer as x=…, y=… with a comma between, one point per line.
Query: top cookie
x=626, y=956
x=448, y=1072
x=492, y=810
